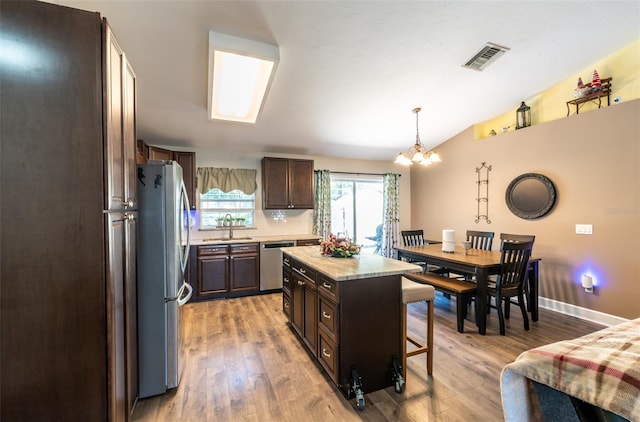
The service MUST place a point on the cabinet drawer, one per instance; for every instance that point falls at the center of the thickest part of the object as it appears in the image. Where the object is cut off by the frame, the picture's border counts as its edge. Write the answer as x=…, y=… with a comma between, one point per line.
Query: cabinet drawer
x=328, y=355
x=286, y=305
x=307, y=242
x=286, y=280
x=244, y=248
x=328, y=318
x=304, y=271
x=328, y=288
x=212, y=250
x=286, y=260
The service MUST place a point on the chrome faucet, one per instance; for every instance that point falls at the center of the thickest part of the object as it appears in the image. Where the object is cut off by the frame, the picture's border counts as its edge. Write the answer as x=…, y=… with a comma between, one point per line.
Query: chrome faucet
x=230, y=224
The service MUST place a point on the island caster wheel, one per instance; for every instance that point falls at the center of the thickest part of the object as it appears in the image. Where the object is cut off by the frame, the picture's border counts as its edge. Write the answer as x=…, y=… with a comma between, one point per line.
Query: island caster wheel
x=356, y=387
x=399, y=385
x=396, y=370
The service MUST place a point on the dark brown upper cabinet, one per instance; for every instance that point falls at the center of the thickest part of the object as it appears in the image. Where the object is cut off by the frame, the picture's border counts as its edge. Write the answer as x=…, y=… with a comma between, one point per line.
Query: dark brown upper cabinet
x=287, y=184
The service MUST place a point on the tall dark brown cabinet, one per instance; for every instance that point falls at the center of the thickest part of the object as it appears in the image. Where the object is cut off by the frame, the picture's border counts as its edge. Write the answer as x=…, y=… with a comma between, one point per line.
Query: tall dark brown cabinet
x=68, y=347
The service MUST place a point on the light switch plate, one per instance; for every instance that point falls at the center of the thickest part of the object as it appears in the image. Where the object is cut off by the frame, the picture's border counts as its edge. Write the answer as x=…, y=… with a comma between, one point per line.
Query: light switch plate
x=584, y=228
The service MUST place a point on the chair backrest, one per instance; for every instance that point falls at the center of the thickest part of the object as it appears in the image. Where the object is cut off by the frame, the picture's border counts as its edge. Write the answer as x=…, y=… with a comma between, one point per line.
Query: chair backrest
x=379, y=233
x=513, y=264
x=480, y=240
x=412, y=237
x=507, y=237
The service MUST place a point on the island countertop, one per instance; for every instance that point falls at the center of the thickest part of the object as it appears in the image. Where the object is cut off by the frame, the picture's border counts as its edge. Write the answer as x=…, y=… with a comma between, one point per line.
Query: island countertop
x=343, y=269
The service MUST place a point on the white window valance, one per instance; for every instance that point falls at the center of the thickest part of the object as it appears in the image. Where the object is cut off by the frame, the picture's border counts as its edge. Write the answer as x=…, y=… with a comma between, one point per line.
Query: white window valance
x=226, y=179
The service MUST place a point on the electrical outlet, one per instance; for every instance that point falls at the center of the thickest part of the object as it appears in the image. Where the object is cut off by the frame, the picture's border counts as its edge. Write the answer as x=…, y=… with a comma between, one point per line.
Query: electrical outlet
x=584, y=228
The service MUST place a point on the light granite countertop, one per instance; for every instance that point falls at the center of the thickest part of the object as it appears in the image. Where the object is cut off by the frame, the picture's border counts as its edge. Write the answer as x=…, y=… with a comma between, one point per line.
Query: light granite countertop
x=357, y=267
x=218, y=238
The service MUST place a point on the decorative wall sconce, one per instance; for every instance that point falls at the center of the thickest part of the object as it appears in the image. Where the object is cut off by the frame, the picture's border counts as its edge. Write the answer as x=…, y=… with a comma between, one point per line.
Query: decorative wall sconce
x=523, y=116
x=587, y=283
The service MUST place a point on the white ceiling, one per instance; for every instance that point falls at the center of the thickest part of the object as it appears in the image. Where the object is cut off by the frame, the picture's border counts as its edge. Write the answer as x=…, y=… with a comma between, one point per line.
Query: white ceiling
x=351, y=72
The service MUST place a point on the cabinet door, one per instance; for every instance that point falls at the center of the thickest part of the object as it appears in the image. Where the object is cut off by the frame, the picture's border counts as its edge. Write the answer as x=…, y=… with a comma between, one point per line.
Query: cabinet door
x=142, y=152
x=301, y=193
x=114, y=160
x=297, y=303
x=245, y=270
x=116, y=327
x=156, y=153
x=131, y=307
x=129, y=137
x=212, y=275
x=275, y=183
x=187, y=161
x=311, y=319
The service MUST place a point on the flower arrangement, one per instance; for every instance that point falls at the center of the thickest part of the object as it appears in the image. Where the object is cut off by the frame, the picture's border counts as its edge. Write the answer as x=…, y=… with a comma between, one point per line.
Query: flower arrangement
x=339, y=247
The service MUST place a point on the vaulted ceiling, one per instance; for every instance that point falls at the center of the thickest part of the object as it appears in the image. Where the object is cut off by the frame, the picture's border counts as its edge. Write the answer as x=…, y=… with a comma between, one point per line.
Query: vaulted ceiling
x=351, y=72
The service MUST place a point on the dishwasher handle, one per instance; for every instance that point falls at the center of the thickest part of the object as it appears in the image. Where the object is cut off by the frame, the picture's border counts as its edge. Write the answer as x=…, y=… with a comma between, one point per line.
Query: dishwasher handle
x=277, y=245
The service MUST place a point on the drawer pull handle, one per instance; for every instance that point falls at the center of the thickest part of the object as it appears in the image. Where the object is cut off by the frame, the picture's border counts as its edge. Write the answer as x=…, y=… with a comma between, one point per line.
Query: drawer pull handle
x=300, y=283
x=326, y=315
x=324, y=352
x=302, y=270
x=286, y=280
x=246, y=248
x=326, y=285
x=286, y=305
x=286, y=260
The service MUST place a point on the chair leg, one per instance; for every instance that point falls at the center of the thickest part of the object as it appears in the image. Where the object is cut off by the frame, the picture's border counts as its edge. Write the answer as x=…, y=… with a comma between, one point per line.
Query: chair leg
x=429, y=337
x=507, y=308
x=523, y=308
x=404, y=341
x=500, y=314
x=461, y=310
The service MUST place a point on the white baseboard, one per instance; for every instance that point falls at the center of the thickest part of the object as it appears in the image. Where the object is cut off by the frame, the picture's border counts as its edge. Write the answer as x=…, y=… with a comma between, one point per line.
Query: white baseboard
x=580, y=312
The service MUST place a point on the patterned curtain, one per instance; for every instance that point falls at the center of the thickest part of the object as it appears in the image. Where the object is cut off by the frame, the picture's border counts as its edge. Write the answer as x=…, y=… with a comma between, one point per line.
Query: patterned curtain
x=322, y=210
x=391, y=214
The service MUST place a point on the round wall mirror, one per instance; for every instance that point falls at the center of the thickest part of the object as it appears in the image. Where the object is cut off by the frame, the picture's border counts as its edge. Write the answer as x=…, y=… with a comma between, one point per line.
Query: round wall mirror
x=530, y=196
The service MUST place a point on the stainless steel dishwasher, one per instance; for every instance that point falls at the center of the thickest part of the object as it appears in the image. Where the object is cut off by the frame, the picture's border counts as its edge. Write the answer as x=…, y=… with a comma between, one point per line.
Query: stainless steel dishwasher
x=271, y=263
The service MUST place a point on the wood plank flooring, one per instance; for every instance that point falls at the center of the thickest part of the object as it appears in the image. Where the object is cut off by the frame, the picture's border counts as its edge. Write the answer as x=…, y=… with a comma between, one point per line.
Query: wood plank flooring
x=244, y=363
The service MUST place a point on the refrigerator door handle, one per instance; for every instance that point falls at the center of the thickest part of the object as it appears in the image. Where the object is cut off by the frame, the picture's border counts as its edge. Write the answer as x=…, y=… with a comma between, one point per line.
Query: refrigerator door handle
x=185, y=211
x=182, y=300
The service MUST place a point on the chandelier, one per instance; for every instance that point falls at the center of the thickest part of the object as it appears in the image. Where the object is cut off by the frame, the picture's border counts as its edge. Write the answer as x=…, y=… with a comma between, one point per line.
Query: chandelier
x=417, y=153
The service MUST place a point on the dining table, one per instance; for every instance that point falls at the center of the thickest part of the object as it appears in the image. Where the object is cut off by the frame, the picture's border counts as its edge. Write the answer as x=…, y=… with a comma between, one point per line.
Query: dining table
x=478, y=262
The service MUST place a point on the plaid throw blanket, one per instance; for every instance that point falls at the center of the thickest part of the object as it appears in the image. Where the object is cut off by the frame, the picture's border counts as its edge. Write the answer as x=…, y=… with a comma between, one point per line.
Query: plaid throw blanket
x=601, y=368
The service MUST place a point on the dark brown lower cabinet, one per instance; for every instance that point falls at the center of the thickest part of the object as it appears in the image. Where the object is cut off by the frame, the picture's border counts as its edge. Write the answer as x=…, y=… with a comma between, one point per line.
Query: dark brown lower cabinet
x=345, y=323
x=225, y=270
x=304, y=298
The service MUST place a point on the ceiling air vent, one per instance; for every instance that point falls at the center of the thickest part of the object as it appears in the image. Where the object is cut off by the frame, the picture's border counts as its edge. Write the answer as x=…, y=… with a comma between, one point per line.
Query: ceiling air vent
x=487, y=55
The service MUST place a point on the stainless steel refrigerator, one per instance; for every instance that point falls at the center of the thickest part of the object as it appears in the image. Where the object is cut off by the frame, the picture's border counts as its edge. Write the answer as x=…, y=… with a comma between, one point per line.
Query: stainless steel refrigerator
x=163, y=249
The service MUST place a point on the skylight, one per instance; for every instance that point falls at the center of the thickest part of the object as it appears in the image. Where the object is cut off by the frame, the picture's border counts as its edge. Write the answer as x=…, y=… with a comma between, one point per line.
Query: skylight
x=240, y=73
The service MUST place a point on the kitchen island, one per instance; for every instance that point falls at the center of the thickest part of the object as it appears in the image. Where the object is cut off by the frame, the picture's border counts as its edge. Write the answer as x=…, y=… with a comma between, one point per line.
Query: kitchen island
x=347, y=312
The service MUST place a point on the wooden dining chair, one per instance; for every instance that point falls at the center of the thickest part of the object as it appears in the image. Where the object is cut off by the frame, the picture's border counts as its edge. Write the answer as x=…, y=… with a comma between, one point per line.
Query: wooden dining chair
x=510, y=280
x=416, y=238
x=480, y=240
x=412, y=237
x=508, y=237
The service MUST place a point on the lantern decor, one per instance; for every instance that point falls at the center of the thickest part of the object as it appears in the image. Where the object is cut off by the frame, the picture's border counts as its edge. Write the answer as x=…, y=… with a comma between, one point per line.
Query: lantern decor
x=523, y=116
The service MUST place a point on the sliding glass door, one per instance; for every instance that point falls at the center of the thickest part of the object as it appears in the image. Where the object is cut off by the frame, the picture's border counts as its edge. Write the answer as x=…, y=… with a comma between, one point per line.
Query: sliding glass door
x=356, y=209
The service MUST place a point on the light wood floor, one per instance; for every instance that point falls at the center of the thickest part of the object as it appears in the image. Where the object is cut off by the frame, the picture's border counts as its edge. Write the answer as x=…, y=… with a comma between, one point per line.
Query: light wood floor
x=245, y=364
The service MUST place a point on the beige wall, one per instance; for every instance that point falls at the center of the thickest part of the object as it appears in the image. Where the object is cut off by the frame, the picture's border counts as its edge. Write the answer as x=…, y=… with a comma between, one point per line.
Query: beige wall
x=297, y=222
x=594, y=161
